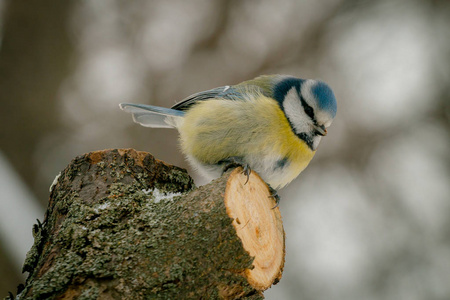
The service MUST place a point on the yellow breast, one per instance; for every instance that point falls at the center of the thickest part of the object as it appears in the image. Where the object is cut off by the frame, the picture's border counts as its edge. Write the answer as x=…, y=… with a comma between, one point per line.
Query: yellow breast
x=255, y=129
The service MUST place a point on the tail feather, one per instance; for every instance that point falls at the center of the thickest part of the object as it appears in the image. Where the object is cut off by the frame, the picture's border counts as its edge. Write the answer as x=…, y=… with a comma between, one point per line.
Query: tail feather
x=153, y=116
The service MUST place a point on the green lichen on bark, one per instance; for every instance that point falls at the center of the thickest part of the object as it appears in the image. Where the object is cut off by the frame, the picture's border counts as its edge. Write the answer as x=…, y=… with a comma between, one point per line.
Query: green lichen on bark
x=120, y=225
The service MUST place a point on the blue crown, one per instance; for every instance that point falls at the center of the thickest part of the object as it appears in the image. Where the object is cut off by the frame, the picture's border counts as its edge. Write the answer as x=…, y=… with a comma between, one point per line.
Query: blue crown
x=325, y=98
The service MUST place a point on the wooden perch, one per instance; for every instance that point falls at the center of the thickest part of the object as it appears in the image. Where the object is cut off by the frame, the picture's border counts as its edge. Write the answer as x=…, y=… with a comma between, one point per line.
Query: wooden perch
x=122, y=225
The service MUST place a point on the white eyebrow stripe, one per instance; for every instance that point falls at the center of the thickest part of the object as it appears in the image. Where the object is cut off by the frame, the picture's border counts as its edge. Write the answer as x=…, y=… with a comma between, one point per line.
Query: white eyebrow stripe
x=226, y=88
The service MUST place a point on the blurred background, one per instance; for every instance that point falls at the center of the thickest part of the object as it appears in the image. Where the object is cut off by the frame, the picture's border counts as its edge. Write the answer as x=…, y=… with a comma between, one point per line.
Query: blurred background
x=368, y=219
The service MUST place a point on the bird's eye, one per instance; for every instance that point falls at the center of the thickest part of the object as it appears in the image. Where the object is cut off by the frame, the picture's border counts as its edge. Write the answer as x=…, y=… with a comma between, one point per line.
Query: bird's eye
x=308, y=109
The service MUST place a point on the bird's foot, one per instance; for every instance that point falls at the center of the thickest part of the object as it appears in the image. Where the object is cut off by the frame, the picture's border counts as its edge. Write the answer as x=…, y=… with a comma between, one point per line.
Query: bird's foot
x=274, y=195
x=234, y=162
x=246, y=172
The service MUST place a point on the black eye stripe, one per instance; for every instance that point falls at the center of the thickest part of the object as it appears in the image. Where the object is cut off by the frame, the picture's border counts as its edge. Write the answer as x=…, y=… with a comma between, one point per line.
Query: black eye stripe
x=308, y=109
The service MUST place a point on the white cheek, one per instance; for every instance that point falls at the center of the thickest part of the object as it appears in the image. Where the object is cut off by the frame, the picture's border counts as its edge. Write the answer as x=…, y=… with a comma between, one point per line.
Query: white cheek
x=295, y=112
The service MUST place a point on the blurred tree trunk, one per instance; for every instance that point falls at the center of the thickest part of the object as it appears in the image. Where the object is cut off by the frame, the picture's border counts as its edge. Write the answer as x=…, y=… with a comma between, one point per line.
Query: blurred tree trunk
x=34, y=59
x=123, y=225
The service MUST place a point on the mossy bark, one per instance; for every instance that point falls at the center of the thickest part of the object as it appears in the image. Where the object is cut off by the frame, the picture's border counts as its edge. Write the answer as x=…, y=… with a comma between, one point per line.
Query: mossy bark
x=122, y=225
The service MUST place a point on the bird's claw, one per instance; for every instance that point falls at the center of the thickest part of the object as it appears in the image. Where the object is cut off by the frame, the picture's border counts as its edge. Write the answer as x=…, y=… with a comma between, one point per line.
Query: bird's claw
x=234, y=162
x=247, y=171
x=274, y=195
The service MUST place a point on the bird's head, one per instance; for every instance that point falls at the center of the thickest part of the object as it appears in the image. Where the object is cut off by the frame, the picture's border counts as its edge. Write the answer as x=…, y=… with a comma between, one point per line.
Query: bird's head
x=309, y=105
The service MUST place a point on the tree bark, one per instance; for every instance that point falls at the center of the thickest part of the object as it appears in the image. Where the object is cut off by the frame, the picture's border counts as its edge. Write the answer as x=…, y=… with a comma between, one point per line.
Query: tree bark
x=122, y=225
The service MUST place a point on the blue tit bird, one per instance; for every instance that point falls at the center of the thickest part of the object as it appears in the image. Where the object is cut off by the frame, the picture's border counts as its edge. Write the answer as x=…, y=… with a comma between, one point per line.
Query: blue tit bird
x=271, y=124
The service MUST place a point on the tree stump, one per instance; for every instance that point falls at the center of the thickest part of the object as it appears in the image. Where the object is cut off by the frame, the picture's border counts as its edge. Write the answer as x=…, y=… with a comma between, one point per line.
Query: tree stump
x=122, y=225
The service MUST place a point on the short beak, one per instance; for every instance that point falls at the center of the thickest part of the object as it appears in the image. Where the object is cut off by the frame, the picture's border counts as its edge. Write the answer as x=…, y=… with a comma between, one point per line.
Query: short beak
x=321, y=130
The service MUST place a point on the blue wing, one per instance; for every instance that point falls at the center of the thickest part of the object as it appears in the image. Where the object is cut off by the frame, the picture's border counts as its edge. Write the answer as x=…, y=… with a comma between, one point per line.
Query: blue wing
x=160, y=117
x=223, y=92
